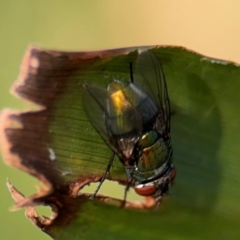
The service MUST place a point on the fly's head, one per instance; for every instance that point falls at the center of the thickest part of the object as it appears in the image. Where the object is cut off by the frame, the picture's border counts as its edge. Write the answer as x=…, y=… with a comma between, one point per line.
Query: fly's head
x=157, y=187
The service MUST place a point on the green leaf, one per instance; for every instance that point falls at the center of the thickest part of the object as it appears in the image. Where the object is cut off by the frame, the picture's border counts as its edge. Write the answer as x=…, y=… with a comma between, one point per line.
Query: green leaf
x=58, y=145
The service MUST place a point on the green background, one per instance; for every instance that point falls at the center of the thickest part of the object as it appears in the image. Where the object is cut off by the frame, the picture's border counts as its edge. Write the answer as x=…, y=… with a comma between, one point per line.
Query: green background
x=209, y=27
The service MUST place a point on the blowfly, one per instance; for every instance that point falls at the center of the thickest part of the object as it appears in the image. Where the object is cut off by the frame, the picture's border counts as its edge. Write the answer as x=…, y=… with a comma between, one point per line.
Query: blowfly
x=133, y=118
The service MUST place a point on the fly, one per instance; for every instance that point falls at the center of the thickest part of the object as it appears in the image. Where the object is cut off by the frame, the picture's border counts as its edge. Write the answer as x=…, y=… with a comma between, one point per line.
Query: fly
x=133, y=118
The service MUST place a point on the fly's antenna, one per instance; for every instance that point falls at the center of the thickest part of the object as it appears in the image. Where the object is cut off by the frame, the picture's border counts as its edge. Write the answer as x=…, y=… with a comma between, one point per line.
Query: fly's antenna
x=131, y=71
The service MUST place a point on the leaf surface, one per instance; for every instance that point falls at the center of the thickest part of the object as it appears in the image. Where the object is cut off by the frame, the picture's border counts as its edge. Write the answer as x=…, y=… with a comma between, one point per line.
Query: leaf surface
x=58, y=145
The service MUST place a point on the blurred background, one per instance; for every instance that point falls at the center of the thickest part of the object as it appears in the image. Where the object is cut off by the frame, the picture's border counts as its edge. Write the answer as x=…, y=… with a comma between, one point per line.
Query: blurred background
x=210, y=27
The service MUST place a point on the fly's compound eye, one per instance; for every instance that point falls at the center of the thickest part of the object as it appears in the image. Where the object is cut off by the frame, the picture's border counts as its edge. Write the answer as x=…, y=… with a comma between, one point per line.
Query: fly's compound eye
x=152, y=188
x=147, y=189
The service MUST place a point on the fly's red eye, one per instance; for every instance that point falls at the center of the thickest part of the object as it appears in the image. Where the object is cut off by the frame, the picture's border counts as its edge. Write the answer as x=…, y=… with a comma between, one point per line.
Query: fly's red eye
x=145, y=189
x=173, y=174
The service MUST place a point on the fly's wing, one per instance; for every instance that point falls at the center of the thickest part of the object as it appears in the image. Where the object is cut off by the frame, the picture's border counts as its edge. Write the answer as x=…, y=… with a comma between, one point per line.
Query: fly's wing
x=149, y=76
x=120, y=132
x=93, y=99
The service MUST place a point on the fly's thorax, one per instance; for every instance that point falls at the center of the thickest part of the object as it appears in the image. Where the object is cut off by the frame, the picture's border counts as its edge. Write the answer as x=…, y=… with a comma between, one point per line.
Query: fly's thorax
x=154, y=155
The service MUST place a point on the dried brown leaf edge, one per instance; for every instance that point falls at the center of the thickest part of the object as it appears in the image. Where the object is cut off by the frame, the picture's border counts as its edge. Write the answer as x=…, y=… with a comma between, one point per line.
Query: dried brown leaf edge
x=25, y=135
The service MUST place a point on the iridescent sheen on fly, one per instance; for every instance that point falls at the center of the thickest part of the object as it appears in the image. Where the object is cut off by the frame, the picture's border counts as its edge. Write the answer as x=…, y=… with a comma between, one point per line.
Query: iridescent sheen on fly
x=133, y=117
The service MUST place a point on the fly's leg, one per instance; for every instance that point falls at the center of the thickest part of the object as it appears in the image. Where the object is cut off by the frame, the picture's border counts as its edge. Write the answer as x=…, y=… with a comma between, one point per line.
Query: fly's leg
x=131, y=71
x=126, y=190
x=104, y=176
x=125, y=194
